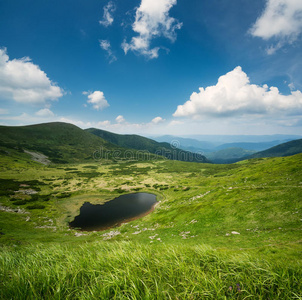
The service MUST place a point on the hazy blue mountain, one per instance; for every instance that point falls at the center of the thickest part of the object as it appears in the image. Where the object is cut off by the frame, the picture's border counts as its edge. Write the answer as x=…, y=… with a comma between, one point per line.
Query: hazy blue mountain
x=186, y=143
x=252, y=146
x=223, y=139
x=229, y=155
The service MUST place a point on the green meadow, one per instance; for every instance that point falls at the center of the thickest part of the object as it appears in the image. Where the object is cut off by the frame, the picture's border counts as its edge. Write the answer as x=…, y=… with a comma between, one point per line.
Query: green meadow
x=217, y=231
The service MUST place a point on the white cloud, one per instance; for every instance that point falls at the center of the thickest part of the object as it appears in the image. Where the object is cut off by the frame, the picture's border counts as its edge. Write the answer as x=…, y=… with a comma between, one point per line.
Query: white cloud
x=152, y=20
x=107, y=16
x=274, y=48
x=75, y=122
x=24, y=82
x=234, y=95
x=45, y=112
x=280, y=19
x=98, y=101
x=103, y=123
x=120, y=119
x=105, y=45
x=158, y=120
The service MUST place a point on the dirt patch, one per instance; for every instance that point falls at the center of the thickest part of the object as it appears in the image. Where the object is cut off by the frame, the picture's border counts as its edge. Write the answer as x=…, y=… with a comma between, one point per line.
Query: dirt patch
x=38, y=157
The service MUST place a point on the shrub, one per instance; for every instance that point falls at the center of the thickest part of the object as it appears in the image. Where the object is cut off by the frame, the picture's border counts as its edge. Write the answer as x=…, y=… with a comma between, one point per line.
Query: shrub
x=35, y=206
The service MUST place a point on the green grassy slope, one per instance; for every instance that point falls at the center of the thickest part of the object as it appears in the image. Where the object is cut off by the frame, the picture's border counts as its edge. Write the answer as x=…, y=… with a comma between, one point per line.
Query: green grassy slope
x=129, y=270
x=141, y=143
x=61, y=142
x=286, y=149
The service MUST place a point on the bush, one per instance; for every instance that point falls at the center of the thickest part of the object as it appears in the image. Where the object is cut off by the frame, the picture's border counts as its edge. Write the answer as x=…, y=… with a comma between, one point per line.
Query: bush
x=35, y=206
x=20, y=202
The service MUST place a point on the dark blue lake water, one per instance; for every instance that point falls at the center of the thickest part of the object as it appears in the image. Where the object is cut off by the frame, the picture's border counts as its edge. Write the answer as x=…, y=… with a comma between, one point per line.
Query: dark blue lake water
x=112, y=213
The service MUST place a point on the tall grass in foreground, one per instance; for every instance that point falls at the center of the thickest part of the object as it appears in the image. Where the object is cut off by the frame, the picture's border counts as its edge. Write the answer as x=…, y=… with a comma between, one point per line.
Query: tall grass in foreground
x=134, y=271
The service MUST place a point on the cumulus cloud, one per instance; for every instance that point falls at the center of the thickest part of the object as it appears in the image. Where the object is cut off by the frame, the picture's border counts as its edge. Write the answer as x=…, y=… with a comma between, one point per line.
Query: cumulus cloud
x=235, y=95
x=158, y=120
x=24, y=82
x=45, y=112
x=152, y=20
x=109, y=9
x=97, y=99
x=106, y=46
x=280, y=19
x=120, y=119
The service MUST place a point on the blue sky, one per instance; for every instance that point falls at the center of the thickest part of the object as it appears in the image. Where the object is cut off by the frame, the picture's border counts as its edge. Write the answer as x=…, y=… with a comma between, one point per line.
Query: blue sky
x=153, y=66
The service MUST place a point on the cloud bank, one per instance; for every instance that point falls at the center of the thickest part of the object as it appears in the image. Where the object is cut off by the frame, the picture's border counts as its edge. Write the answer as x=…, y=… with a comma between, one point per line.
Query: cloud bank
x=152, y=20
x=24, y=82
x=235, y=95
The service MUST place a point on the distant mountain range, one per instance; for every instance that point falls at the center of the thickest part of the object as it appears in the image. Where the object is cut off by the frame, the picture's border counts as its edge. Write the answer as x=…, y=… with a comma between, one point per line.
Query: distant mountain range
x=67, y=143
x=217, y=151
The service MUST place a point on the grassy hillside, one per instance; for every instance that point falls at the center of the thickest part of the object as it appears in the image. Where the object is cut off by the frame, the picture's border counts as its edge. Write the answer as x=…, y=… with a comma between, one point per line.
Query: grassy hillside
x=141, y=143
x=128, y=270
x=218, y=231
x=61, y=143
x=285, y=149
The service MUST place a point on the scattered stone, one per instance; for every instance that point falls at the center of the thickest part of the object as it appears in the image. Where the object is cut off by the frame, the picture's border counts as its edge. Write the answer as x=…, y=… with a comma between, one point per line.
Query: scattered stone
x=184, y=234
x=110, y=235
x=47, y=226
x=27, y=192
x=137, y=232
x=153, y=237
x=38, y=157
x=200, y=196
x=14, y=210
x=227, y=234
x=77, y=234
x=235, y=232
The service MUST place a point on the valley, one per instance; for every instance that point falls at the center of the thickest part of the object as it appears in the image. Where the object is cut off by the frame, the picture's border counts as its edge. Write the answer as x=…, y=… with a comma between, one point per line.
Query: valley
x=215, y=226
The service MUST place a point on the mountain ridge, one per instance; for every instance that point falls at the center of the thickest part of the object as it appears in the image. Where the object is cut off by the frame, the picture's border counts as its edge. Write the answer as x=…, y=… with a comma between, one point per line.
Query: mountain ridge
x=284, y=149
x=141, y=143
